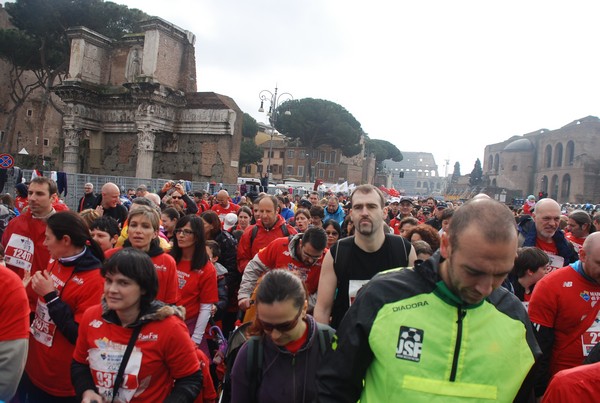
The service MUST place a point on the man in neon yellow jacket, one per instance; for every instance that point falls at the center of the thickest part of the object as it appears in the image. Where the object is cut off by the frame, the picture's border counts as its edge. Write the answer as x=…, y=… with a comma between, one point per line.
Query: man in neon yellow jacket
x=442, y=331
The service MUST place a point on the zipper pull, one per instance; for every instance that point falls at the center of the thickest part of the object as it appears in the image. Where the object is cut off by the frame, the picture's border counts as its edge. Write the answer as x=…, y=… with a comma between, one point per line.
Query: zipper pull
x=461, y=315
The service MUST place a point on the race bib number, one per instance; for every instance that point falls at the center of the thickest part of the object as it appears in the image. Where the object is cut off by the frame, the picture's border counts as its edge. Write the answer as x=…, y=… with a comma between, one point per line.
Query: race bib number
x=590, y=337
x=353, y=287
x=104, y=365
x=43, y=327
x=556, y=262
x=19, y=252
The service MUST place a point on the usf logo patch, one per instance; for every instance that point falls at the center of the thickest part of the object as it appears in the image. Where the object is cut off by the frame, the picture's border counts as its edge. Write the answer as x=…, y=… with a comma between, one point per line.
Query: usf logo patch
x=410, y=343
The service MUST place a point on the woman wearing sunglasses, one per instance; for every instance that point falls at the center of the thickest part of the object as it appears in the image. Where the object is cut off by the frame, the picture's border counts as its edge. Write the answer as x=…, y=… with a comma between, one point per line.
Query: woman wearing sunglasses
x=333, y=231
x=292, y=345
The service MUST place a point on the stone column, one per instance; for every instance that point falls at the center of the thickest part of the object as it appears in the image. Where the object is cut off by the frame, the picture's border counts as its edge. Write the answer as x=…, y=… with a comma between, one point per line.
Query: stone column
x=71, y=153
x=145, y=157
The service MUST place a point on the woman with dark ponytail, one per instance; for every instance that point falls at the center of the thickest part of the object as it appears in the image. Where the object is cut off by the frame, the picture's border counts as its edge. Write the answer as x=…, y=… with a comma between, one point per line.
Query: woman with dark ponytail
x=293, y=345
x=70, y=284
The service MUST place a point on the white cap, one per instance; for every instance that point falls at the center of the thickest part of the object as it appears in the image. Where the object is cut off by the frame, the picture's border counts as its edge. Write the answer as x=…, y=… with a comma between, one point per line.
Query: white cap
x=230, y=221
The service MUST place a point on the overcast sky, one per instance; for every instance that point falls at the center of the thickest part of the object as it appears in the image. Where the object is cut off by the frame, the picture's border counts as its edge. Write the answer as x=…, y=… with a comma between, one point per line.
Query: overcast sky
x=446, y=77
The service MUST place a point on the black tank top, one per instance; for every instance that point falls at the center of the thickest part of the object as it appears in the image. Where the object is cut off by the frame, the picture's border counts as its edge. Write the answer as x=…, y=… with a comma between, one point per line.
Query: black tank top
x=354, y=268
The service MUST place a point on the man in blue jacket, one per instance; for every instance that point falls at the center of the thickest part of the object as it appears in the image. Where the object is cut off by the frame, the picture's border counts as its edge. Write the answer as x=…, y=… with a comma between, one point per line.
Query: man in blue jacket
x=334, y=211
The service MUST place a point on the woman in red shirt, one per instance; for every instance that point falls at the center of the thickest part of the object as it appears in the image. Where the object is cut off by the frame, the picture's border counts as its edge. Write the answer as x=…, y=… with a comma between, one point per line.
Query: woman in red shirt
x=244, y=217
x=162, y=364
x=71, y=284
x=197, y=277
x=142, y=230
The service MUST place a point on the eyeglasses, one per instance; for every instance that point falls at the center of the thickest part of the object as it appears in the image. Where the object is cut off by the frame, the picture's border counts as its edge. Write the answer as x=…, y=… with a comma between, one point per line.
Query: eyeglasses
x=331, y=233
x=311, y=257
x=175, y=197
x=184, y=232
x=280, y=327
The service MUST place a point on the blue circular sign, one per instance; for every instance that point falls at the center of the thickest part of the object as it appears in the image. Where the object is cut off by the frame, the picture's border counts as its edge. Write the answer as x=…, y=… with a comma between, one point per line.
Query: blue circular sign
x=6, y=161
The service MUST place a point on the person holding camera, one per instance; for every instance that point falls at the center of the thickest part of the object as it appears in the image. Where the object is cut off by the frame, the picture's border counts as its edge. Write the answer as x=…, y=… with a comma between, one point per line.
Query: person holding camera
x=179, y=198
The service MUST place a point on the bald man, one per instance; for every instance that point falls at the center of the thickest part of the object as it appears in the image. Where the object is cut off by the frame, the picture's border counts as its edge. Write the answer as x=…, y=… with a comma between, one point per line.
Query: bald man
x=224, y=205
x=544, y=233
x=110, y=203
x=565, y=308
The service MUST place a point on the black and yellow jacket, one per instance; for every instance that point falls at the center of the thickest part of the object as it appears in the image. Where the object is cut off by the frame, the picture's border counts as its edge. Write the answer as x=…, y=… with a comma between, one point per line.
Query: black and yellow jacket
x=408, y=338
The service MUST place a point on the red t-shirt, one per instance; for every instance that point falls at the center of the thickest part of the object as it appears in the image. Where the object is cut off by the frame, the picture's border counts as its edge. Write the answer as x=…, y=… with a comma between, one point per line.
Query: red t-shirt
x=196, y=287
x=395, y=225
x=295, y=345
x=59, y=205
x=208, y=392
x=202, y=207
x=277, y=256
x=560, y=301
x=49, y=358
x=163, y=352
x=576, y=242
x=556, y=261
x=166, y=270
x=222, y=212
x=14, y=307
x=25, y=252
x=575, y=385
x=21, y=203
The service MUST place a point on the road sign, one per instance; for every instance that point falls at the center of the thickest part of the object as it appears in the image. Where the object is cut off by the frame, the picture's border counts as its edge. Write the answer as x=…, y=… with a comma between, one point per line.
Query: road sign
x=6, y=161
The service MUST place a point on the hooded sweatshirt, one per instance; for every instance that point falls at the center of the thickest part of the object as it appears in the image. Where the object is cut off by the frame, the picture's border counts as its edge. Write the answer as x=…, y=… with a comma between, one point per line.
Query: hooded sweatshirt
x=54, y=330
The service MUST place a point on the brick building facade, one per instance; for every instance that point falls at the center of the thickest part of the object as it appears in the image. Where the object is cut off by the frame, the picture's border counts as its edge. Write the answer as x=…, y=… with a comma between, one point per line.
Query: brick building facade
x=289, y=162
x=129, y=107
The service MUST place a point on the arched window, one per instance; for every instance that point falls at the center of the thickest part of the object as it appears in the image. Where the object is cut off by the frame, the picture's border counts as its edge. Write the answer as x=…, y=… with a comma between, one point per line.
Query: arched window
x=544, y=185
x=418, y=184
x=494, y=182
x=570, y=154
x=548, y=156
x=566, y=187
x=554, y=187
x=496, y=163
x=558, y=155
x=490, y=162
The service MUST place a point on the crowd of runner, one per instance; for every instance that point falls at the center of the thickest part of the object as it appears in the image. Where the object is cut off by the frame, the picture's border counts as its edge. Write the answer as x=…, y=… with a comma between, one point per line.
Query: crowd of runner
x=341, y=297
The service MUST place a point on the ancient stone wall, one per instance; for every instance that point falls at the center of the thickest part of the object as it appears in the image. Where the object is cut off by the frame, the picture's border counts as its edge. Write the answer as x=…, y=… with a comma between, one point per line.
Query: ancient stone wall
x=562, y=162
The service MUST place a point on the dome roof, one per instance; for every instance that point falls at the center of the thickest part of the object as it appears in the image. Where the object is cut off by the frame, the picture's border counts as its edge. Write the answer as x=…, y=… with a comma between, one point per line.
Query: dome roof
x=522, y=144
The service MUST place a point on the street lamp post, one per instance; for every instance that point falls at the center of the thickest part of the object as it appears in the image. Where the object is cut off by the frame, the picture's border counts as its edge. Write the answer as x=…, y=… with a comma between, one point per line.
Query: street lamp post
x=274, y=102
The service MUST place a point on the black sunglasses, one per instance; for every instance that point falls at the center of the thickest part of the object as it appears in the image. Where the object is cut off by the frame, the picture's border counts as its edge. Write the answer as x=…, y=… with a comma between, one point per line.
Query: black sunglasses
x=280, y=327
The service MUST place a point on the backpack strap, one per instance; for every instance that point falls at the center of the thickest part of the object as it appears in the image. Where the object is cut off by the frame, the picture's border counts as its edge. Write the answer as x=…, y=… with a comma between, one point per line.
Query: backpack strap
x=254, y=365
x=325, y=334
x=284, y=230
x=253, y=235
x=395, y=241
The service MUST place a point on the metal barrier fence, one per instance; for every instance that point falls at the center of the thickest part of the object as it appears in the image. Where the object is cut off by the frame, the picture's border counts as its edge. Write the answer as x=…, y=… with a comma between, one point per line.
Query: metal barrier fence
x=75, y=183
